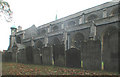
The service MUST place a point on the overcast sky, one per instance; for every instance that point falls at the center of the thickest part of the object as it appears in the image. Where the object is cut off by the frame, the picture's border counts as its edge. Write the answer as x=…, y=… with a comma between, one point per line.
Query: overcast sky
x=38, y=12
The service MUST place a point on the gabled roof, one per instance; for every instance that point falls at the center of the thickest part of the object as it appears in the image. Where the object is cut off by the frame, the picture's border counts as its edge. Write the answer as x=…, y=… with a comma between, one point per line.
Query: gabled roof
x=95, y=8
x=30, y=32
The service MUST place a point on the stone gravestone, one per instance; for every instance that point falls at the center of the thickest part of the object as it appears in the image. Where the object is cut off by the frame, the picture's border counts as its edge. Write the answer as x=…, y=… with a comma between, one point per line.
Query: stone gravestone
x=91, y=55
x=46, y=56
x=38, y=52
x=37, y=59
x=110, y=51
x=73, y=58
x=59, y=55
x=21, y=56
x=29, y=55
x=38, y=56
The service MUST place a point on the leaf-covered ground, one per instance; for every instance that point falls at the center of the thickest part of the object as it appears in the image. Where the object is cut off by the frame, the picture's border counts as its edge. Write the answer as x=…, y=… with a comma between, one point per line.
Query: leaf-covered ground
x=30, y=69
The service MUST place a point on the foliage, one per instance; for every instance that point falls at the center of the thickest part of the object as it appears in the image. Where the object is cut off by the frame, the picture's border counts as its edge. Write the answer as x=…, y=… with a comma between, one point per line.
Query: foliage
x=30, y=69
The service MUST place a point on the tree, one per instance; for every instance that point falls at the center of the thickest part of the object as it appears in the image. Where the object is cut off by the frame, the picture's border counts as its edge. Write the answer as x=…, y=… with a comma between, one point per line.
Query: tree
x=5, y=10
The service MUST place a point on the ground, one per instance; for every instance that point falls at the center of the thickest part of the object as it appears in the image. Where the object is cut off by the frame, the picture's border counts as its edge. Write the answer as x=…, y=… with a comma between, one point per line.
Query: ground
x=30, y=69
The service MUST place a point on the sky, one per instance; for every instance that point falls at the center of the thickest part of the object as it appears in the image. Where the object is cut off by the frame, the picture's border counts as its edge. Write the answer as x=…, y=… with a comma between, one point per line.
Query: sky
x=39, y=12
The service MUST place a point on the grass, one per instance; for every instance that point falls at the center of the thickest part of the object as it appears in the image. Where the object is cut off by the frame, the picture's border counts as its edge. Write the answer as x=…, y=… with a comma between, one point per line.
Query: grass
x=30, y=69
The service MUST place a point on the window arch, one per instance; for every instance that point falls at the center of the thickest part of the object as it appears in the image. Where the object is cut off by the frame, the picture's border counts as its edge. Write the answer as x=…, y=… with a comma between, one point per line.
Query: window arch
x=115, y=11
x=55, y=28
x=71, y=23
x=43, y=31
x=92, y=17
x=109, y=45
x=56, y=41
x=38, y=44
x=108, y=31
x=77, y=39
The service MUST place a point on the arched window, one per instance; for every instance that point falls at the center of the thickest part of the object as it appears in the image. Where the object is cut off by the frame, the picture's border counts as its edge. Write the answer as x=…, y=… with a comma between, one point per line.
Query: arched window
x=77, y=39
x=56, y=41
x=38, y=44
x=108, y=31
x=92, y=17
x=55, y=28
x=71, y=23
x=115, y=11
x=43, y=32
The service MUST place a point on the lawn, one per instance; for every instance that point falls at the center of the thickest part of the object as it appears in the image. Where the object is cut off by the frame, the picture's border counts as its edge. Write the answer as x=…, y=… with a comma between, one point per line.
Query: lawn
x=30, y=69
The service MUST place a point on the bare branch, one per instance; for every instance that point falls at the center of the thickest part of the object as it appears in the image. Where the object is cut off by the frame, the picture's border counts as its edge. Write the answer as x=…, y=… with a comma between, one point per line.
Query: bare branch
x=5, y=10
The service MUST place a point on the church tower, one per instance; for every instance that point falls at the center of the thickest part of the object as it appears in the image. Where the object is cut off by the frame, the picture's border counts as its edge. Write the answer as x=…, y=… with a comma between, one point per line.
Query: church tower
x=12, y=36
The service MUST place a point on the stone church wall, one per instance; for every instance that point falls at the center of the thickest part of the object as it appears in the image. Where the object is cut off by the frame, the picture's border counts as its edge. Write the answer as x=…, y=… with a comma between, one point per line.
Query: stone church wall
x=50, y=49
